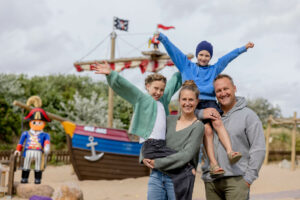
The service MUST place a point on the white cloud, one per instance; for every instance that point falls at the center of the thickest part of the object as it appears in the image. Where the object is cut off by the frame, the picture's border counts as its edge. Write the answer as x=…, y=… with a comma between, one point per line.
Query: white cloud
x=43, y=37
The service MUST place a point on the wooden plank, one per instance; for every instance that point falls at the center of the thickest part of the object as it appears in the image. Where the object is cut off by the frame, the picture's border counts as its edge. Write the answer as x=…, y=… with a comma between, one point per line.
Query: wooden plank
x=73, y=161
x=52, y=116
x=293, y=155
x=121, y=60
x=267, y=140
x=110, y=166
x=85, y=152
x=12, y=169
x=105, y=176
x=110, y=160
x=107, y=161
x=118, y=171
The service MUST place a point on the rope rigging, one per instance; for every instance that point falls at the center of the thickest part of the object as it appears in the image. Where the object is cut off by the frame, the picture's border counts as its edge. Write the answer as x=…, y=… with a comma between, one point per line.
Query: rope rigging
x=122, y=35
x=134, y=47
x=91, y=51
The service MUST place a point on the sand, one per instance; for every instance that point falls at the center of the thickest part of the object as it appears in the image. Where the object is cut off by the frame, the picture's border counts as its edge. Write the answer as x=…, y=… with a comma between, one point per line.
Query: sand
x=272, y=179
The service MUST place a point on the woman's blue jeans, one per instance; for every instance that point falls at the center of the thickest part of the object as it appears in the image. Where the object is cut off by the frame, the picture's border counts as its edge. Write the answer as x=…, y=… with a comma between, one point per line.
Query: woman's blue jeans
x=160, y=187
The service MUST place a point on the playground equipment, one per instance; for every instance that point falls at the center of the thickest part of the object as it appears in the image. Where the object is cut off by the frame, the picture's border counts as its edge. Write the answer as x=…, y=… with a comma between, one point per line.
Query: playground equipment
x=7, y=170
x=283, y=121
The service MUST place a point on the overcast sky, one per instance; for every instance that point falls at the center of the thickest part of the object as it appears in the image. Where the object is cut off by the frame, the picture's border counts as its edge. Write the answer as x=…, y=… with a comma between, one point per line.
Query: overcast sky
x=40, y=37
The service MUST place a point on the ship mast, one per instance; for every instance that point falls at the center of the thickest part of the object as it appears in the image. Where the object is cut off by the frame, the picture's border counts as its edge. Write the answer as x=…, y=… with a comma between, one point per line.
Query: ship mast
x=113, y=36
x=153, y=58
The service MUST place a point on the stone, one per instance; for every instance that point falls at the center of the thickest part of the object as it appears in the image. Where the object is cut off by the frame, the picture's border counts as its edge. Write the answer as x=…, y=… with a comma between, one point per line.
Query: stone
x=285, y=164
x=68, y=191
x=28, y=190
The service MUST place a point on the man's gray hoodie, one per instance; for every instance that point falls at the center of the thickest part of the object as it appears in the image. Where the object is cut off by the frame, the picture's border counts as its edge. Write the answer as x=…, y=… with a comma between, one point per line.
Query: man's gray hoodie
x=247, y=137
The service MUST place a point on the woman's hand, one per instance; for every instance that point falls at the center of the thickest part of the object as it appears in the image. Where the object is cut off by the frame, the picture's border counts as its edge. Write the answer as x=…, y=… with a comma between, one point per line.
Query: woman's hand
x=148, y=162
x=194, y=171
x=102, y=68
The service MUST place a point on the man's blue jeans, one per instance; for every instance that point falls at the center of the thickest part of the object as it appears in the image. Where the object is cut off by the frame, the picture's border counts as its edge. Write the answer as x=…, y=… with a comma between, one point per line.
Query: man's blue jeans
x=160, y=187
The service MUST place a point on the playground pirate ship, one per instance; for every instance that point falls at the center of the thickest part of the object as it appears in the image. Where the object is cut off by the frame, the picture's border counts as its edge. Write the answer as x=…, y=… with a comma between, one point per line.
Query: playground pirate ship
x=103, y=152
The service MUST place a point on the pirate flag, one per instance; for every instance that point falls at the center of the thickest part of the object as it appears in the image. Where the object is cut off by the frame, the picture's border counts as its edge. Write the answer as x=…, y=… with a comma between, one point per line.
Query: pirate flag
x=121, y=24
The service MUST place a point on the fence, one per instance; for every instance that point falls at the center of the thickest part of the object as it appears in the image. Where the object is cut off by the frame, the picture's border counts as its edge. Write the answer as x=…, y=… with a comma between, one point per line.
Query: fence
x=53, y=158
x=290, y=121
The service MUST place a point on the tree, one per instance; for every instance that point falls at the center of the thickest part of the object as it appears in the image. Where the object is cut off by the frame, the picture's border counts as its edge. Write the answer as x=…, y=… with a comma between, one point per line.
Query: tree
x=10, y=120
x=88, y=111
x=57, y=91
x=264, y=108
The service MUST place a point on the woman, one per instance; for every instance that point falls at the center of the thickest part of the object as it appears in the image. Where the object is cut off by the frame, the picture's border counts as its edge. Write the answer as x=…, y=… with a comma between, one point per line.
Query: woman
x=184, y=135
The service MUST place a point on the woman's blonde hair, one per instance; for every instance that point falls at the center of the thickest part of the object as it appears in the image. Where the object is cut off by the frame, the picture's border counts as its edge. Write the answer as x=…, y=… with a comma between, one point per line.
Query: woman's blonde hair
x=190, y=85
x=155, y=77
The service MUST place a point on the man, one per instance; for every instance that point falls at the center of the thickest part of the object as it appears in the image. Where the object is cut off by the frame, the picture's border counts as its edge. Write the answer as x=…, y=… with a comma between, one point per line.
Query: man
x=246, y=134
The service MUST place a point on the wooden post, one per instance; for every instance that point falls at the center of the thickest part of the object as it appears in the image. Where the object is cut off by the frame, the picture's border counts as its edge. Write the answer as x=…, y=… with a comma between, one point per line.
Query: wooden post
x=52, y=116
x=293, y=156
x=110, y=119
x=267, y=140
x=11, y=175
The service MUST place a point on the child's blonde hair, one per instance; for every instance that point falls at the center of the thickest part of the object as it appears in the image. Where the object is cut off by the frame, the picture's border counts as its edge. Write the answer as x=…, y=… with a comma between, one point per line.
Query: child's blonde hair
x=155, y=77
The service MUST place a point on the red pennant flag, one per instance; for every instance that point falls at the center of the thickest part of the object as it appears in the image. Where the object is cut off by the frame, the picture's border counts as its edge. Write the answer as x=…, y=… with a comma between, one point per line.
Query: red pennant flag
x=164, y=27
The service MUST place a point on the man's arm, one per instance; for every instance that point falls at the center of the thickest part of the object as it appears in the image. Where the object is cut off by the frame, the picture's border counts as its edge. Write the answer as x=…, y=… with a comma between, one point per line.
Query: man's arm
x=207, y=113
x=255, y=135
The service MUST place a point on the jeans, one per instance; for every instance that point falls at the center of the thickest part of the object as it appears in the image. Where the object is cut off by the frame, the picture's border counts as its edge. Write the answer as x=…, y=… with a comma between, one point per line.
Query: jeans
x=182, y=178
x=160, y=187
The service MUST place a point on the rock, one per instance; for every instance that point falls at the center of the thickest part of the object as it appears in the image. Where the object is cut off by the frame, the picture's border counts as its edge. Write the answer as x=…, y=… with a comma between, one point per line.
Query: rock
x=285, y=164
x=28, y=190
x=68, y=191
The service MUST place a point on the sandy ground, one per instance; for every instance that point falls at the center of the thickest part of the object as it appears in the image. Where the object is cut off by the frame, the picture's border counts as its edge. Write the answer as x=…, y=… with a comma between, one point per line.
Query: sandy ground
x=273, y=179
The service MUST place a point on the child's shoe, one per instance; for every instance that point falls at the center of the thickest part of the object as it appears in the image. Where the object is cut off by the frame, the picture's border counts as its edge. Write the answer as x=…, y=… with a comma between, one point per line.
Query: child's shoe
x=234, y=157
x=215, y=170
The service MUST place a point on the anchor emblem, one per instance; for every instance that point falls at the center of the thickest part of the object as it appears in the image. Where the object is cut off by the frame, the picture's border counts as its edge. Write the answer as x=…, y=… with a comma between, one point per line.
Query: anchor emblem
x=94, y=156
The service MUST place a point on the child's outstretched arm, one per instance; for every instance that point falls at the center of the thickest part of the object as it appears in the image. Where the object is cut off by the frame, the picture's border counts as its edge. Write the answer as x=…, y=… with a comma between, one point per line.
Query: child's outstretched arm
x=173, y=85
x=180, y=59
x=225, y=60
x=102, y=68
x=119, y=84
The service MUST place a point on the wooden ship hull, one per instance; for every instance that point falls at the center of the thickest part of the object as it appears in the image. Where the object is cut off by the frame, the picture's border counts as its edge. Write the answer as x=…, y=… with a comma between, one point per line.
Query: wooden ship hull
x=119, y=156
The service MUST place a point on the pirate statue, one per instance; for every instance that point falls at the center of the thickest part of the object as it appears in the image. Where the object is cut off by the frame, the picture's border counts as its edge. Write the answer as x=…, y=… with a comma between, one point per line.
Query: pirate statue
x=37, y=142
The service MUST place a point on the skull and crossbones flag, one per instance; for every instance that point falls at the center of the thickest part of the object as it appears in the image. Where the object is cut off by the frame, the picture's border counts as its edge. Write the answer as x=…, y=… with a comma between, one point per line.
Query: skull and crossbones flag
x=121, y=24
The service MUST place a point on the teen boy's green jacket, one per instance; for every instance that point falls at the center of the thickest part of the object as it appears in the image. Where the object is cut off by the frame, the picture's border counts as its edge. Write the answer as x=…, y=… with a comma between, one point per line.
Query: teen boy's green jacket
x=144, y=106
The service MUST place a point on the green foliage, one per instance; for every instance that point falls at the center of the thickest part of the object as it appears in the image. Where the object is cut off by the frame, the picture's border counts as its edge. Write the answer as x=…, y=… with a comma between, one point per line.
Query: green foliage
x=123, y=111
x=6, y=146
x=89, y=111
x=281, y=139
x=9, y=122
x=56, y=91
x=263, y=108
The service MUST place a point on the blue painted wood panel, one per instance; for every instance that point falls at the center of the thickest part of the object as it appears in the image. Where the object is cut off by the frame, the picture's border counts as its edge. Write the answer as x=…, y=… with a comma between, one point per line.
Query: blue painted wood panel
x=106, y=145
